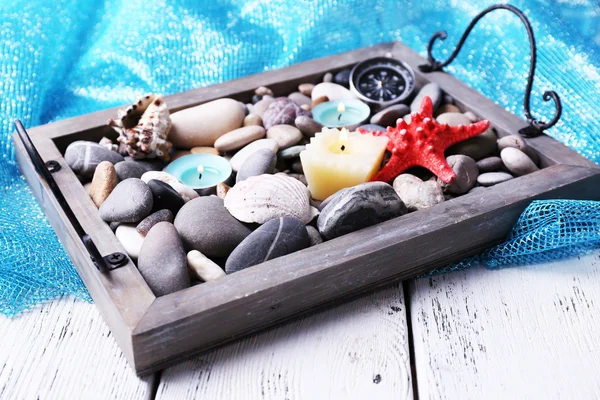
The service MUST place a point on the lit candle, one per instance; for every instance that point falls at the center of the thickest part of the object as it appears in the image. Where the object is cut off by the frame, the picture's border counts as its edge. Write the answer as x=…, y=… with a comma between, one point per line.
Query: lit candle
x=349, y=113
x=335, y=160
x=200, y=171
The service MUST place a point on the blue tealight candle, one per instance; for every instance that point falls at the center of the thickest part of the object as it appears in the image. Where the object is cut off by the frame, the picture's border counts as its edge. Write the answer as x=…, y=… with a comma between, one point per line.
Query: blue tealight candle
x=348, y=113
x=200, y=171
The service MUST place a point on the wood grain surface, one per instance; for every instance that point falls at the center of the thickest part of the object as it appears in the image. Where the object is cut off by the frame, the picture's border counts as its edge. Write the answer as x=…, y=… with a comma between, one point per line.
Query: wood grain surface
x=524, y=332
x=64, y=350
x=358, y=350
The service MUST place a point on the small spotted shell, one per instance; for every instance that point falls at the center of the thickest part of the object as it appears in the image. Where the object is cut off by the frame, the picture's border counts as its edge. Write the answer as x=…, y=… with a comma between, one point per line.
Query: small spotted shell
x=143, y=128
x=265, y=197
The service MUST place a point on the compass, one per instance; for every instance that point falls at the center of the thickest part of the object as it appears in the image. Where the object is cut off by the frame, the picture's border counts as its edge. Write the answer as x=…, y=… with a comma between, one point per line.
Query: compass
x=382, y=81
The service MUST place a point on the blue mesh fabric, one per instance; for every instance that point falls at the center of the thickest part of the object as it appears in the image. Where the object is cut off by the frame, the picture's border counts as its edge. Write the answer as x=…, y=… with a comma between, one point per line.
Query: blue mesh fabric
x=65, y=58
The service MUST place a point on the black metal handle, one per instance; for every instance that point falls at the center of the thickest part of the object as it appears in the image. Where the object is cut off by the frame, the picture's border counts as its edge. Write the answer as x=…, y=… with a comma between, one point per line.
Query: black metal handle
x=536, y=127
x=110, y=262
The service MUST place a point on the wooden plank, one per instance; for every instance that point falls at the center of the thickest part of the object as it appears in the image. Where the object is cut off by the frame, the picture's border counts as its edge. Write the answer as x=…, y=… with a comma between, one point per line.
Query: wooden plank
x=357, y=350
x=64, y=350
x=522, y=332
x=122, y=295
x=210, y=314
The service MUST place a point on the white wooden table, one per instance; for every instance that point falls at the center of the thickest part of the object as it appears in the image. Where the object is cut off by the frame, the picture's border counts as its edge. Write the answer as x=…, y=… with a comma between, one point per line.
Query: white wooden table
x=523, y=332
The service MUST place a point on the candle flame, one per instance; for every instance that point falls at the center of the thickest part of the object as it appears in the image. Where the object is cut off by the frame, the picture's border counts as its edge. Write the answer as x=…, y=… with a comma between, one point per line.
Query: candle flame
x=344, y=134
x=341, y=108
x=200, y=169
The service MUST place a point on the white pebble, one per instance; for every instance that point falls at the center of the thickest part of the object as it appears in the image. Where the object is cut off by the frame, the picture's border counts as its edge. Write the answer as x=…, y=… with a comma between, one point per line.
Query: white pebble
x=203, y=267
x=130, y=239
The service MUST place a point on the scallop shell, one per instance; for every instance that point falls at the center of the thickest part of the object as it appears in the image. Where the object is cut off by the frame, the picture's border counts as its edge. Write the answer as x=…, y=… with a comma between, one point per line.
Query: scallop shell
x=264, y=197
x=143, y=128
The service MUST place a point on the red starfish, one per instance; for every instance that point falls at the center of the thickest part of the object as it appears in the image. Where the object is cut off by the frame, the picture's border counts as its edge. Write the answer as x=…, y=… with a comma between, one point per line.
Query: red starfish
x=422, y=142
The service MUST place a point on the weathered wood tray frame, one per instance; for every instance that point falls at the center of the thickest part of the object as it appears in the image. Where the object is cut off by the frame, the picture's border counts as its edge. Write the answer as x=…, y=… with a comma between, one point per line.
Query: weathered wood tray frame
x=156, y=332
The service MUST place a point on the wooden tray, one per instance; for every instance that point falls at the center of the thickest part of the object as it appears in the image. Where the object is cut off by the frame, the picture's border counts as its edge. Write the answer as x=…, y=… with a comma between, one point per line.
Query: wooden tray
x=156, y=332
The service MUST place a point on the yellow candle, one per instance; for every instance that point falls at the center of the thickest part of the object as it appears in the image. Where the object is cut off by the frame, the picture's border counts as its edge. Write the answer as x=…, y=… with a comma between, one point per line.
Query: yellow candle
x=335, y=159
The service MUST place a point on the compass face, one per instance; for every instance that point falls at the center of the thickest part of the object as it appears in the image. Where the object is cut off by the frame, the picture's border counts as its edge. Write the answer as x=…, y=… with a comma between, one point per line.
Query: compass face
x=383, y=81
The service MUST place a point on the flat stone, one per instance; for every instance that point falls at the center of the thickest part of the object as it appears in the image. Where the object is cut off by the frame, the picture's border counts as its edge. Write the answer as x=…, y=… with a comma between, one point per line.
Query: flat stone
x=453, y=119
x=204, y=150
x=447, y=108
x=300, y=99
x=417, y=194
x=493, y=178
x=130, y=201
x=204, y=224
x=472, y=117
x=478, y=147
x=343, y=78
x=299, y=177
x=263, y=90
x=328, y=77
x=202, y=267
x=518, y=142
x=262, y=106
x=466, y=174
x=179, y=153
x=332, y=91
x=358, y=207
x=129, y=169
x=297, y=167
x=373, y=128
x=517, y=161
x=313, y=235
x=433, y=91
x=308, y=126
x=83, y=157
x=489, y=164
x=275, y=238
x=162, y=261
x=103, y=182
x=242, y=155
x=388, y=116
x=260, y=162
x=238, y=138
x=186, y=192
x=151, y=164
x=319, y=100
x=202, y=125
x=282, y=111
x=284, y=135
x=165, y=197
x=130, y=239
x=291, y=152
x=306, y=88
x=147, y=223
x=253, y=120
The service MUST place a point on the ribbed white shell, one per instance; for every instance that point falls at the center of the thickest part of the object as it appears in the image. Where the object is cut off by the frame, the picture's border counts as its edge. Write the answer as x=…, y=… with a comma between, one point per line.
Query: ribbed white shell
x=264, y=197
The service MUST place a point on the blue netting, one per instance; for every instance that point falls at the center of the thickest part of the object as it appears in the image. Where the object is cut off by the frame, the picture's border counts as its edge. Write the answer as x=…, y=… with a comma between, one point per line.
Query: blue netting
x=65, y=58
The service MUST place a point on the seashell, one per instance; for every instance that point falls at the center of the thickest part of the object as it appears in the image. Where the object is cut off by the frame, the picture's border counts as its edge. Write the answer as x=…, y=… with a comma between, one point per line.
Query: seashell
x=264, y=197
x=185, y=191
x=106, y=142
x=143, y=128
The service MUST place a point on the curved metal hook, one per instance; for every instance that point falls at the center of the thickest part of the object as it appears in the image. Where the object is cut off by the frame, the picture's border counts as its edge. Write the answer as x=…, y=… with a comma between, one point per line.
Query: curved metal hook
x=536, y=127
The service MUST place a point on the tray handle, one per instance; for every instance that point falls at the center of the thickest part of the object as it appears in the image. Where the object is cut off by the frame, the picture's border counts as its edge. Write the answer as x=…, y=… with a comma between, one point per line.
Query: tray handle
x=45, y=170
x=536, y=127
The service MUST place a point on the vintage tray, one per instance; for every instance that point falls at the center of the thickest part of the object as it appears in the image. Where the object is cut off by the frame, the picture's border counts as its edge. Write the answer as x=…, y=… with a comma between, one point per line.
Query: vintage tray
x=156, y=332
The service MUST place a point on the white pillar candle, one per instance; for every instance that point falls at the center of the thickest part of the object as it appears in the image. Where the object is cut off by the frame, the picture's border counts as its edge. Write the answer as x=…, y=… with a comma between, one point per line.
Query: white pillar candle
x=335, y=159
